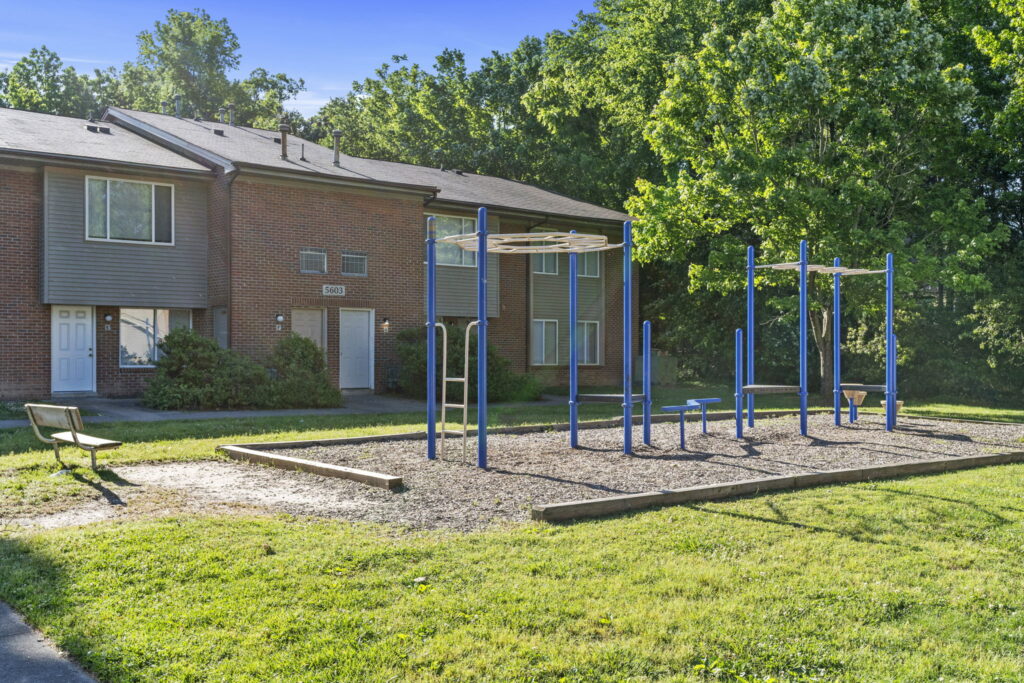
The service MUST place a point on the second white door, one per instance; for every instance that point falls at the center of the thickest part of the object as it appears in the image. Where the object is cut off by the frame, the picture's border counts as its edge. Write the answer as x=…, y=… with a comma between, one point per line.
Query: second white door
x=355, y=341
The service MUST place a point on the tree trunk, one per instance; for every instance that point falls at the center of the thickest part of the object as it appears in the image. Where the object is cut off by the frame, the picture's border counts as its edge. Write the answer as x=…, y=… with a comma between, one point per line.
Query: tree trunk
x=821, y=331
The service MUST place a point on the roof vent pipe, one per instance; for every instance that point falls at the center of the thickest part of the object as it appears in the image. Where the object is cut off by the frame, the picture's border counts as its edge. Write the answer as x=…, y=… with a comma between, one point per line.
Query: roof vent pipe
x=163, y=106
x=231, y=114
x=285, y=129
x=177, y=106
x=337, y=146
x=221, y=113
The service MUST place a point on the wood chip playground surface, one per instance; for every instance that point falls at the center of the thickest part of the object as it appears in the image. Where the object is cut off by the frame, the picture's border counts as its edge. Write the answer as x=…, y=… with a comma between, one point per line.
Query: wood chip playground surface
x=538, y=468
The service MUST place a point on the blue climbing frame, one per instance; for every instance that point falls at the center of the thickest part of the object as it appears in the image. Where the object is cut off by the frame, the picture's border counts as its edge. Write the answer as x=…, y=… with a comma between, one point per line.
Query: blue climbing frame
x=749, y=389
x=627, y=398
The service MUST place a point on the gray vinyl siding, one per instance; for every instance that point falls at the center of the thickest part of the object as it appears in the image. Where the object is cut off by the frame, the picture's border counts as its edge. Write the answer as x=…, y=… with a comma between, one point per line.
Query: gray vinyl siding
x=80, y=271
x=456, y=285
x=456, y=290
x=550, y=301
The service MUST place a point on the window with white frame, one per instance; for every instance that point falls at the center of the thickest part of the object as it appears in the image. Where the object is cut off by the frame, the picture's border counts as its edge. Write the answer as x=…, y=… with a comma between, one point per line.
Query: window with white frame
x=312, y=260
x=450, y=254
x=588, y=264
x=129, y=211
x=544, y=343
x=353, y=263
x=142, y=330
x=545, y=264
x=587, y=344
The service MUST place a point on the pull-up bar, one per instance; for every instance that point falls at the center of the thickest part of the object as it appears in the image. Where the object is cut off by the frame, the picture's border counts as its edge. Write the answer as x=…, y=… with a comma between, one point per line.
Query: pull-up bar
x=481, y=242
x=749, y=389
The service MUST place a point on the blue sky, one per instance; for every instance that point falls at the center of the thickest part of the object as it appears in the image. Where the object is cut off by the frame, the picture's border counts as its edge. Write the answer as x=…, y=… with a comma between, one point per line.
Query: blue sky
x=329, y=44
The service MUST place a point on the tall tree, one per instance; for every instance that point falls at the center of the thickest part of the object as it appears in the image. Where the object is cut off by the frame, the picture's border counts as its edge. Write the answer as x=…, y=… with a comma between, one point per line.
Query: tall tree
x=835, y=122
x=41, y=82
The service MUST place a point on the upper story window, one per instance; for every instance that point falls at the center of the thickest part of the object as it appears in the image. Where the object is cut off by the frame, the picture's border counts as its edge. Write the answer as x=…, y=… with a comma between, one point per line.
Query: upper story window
x=545, y=264
x=449, y=254
x=588, y=264
x=312, y=260
x=353, y=263
x=129, y=211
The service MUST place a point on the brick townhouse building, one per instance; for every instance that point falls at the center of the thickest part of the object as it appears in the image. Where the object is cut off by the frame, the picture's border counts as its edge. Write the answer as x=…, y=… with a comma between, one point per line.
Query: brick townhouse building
x=115, y=231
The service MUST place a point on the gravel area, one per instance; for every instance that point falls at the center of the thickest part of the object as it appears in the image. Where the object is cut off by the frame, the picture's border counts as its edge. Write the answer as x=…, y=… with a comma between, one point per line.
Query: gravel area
x=528, y=469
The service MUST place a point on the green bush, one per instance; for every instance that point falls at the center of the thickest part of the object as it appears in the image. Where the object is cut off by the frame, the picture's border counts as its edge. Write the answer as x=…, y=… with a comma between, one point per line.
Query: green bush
x=194, y=373
x=502, y=383
x=300, y=375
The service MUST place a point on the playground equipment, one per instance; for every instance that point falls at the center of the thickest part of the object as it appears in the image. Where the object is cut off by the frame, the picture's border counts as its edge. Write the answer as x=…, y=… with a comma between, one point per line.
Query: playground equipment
x=750, y=389
x=700, y=404
x=572, y=244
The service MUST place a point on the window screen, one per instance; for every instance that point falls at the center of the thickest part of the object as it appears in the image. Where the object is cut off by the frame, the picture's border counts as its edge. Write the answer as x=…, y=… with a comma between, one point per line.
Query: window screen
x=353, y=263
x=544, y=342
x=312, y=260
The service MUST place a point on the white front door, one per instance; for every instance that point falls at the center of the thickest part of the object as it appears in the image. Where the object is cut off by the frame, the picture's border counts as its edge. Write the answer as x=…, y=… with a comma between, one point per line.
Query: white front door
x=72, y=340
x=355, y=341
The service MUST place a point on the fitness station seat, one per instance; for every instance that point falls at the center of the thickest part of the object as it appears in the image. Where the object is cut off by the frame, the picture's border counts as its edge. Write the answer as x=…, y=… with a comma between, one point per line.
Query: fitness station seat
x=606, y=398
x=862, y=387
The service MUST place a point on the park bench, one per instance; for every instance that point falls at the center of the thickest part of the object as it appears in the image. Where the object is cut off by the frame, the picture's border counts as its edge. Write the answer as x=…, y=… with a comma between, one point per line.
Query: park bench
x=69, y=419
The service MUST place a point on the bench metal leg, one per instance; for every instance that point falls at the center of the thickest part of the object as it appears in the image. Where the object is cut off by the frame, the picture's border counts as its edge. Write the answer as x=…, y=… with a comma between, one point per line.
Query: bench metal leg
x=92, y=457
x=56, y=452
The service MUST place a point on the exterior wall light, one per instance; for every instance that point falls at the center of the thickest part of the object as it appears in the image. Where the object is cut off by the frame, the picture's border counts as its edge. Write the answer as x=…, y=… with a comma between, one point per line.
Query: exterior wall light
x=279, y=318
x=108, y=318
x=386, y=325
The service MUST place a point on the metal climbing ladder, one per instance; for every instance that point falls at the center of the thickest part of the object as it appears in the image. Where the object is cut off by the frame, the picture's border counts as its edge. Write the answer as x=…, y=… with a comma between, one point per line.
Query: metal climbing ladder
x=457, y=380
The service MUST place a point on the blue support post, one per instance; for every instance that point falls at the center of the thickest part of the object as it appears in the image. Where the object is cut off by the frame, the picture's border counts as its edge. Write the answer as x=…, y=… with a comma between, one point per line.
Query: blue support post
x=890, y=351
x=739, y=384
x=750, y=333
x=837, y=394
x=481, y=338
x=894, y=390
x=574, y=437
x=627, y=337
x=803, y=337
x=647, y=383
x=431, y=338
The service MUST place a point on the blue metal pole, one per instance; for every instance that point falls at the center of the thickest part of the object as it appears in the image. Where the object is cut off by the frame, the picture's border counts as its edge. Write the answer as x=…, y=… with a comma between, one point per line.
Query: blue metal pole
x=431, y=337
x=647, y=382
x=837, y=398
x=895, y=392
x=481, y=338
x=803, y=337
x=574, y=441
x=890, y=351
x=739, y=384
x=627, y=337
x=750, y=333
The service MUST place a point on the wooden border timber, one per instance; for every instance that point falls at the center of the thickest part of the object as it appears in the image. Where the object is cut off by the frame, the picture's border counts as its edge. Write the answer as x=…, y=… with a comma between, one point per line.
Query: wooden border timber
x=715, y=416
x=284, y=462
x=560, y=512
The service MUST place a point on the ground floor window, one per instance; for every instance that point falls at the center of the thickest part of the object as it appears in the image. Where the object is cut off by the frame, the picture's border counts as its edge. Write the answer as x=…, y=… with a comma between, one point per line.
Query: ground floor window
x=587, y=342
x=544, y=342
x=141, y=329
x=310, y=323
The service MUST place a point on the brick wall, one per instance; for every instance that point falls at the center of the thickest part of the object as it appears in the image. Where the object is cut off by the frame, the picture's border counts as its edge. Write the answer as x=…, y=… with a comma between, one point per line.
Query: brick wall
x=271, y=222
x=24, y=321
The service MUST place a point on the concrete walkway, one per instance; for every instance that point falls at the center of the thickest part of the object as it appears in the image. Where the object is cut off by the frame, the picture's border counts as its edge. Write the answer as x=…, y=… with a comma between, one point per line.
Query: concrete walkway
x=131, y=410
x=28, y=657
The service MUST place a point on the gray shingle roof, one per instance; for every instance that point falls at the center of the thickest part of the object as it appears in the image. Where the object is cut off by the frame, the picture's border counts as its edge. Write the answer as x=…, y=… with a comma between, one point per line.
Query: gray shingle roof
x=256, y=147
x=47, y=135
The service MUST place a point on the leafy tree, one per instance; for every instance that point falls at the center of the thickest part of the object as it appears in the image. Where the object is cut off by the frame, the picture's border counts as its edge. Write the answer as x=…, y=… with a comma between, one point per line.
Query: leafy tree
x=835, y=122
x=40, y=82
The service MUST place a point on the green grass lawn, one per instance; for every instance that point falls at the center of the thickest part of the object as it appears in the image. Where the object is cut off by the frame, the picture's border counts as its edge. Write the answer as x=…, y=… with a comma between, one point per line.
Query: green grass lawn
x=918, y=579
x=908, y=580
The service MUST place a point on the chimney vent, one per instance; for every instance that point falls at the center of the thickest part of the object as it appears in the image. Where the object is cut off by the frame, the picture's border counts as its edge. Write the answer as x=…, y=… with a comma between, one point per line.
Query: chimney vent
x=163, y=106
x=221, y=113
x=337, y=146
x=218, y=131
x=177, y=106
x=284, y=129
x=231, y=114
x=302, y=152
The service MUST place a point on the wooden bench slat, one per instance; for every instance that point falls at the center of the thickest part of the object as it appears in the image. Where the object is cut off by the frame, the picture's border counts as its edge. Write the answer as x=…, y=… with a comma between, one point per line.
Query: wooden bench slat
x=86, y=440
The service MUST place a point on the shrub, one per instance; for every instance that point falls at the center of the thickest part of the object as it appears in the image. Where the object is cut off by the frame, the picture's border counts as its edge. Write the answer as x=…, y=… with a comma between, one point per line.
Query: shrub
x=194, y=373
x=502, y=383
x=301, y=378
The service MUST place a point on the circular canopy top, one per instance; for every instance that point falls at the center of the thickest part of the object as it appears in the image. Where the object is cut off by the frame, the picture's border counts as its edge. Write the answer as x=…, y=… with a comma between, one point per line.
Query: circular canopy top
x=533, y=242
